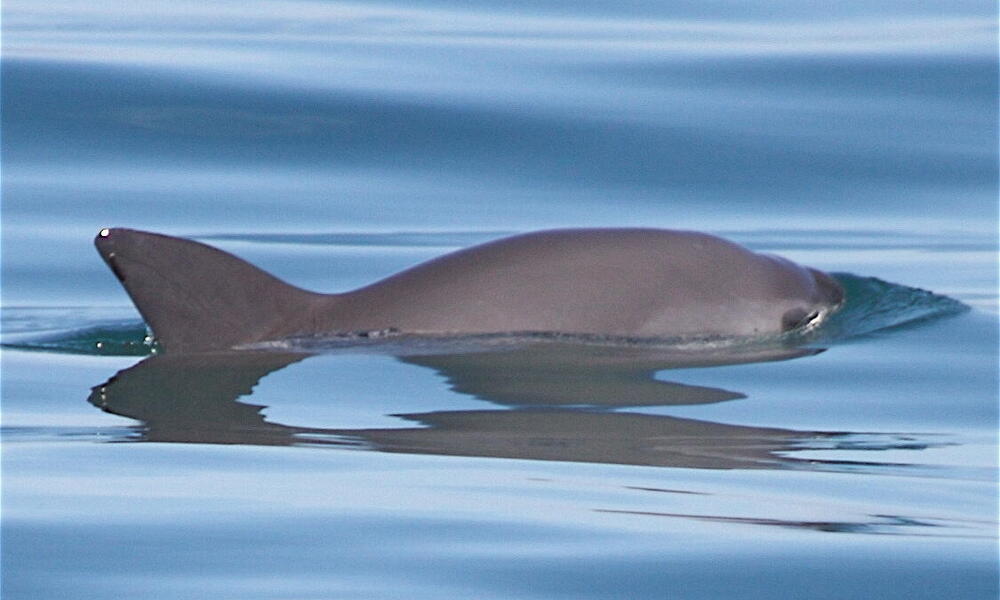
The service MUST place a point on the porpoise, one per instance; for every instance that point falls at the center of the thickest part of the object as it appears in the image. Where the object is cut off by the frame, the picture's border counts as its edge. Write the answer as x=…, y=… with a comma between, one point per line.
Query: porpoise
x=646, y=283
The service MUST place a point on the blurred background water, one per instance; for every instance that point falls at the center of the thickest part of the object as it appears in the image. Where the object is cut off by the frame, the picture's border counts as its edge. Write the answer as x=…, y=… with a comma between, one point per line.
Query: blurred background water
x=334, y=143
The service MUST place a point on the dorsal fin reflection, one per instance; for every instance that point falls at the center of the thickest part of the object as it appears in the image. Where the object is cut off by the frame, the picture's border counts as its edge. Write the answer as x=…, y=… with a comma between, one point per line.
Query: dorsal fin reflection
x=193, y=397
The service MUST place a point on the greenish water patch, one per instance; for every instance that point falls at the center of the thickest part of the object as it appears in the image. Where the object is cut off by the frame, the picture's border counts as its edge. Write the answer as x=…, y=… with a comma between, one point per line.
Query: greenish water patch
x=121, y=339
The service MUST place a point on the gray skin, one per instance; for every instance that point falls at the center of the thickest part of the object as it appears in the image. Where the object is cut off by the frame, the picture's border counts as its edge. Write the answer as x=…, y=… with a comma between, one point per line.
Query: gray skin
x=623, y=282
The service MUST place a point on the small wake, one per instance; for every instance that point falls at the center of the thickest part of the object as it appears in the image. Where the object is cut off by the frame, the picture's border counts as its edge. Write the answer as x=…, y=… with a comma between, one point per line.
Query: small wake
x=874, y=305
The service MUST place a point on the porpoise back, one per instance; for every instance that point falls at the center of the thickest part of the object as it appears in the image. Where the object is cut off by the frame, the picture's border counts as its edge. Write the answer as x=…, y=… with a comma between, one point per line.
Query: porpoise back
x=621, y=282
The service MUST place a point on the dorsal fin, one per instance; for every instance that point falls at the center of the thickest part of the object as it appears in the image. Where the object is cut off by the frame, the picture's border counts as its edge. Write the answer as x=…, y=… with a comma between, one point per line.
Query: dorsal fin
x=197, y=298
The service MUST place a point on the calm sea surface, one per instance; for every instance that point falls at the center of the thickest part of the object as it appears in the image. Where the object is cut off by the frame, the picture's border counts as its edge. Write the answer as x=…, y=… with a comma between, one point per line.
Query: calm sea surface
x=336, y=143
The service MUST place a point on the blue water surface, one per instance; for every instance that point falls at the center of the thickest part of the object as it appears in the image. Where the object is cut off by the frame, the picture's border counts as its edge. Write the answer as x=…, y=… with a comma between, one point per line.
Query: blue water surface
x=335, y=143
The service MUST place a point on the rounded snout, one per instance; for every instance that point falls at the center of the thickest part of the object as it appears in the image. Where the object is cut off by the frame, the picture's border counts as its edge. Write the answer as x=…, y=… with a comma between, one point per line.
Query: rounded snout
x=830, y=290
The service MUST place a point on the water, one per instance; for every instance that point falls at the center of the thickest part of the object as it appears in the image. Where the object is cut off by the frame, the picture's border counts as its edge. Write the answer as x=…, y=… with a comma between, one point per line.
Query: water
x=336, y=143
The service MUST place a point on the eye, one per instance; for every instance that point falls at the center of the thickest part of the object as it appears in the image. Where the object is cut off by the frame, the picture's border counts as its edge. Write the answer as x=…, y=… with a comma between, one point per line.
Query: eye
x=797, y=317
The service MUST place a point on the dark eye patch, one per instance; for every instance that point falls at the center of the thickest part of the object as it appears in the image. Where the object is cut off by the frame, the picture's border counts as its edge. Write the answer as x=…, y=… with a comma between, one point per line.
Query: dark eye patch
x=797, y=317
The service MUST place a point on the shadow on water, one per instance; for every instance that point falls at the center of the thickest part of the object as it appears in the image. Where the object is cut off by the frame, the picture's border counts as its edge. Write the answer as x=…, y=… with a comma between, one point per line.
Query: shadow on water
x=561, y=398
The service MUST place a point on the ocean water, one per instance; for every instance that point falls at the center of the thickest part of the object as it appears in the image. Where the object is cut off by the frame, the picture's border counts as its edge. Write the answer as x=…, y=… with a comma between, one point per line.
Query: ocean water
x=336, y=143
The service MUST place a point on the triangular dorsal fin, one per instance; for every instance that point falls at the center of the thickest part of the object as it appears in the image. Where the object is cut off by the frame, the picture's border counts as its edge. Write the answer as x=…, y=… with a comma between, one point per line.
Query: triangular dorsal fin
x=197, y=298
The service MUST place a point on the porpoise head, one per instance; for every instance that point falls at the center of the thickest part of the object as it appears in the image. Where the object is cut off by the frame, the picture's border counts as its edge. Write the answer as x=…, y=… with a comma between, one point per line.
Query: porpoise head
x=801, y=297
x=826, y=297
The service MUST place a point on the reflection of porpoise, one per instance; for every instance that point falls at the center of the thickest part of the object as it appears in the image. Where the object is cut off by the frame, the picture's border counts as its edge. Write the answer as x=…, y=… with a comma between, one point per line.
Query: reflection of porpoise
x=204, y=398
x=627, y=282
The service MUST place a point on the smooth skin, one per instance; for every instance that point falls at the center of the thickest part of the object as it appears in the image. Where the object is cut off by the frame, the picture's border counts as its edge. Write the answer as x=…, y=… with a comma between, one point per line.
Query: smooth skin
x=653, y=283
